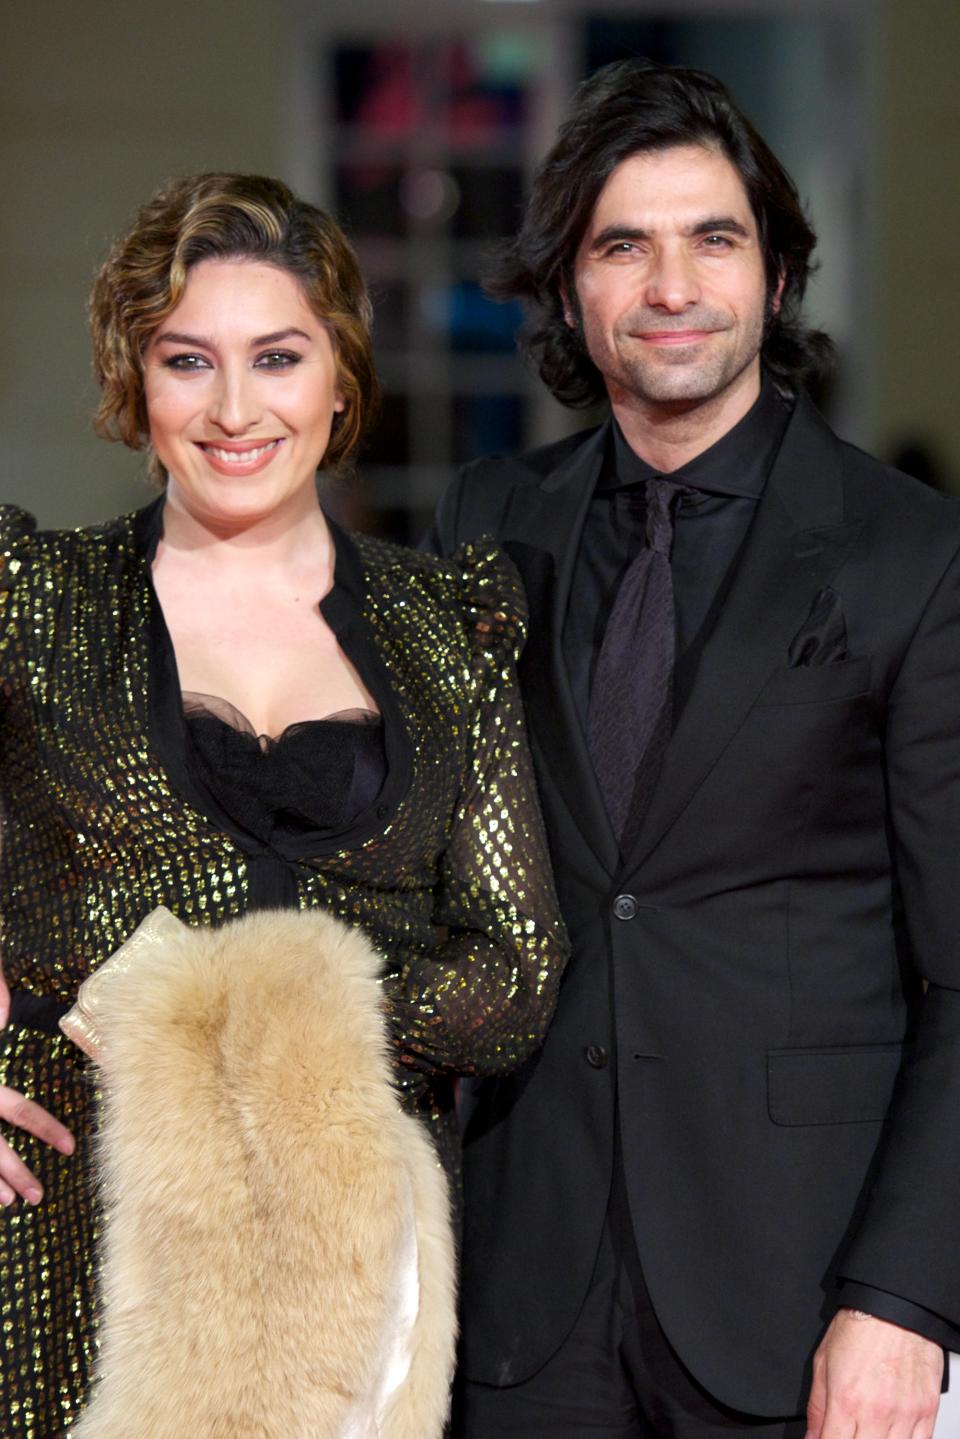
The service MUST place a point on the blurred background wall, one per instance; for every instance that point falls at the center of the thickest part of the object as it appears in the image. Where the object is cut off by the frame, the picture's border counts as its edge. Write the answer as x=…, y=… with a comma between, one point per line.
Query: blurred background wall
x=420, y=132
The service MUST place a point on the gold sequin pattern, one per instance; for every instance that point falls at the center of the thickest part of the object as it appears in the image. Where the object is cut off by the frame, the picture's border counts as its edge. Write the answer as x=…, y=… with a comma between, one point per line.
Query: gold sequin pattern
x=453, y=886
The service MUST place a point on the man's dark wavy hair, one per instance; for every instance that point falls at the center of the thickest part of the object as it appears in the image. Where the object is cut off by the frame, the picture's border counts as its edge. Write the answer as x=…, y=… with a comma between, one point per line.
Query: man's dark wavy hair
x=624, y=109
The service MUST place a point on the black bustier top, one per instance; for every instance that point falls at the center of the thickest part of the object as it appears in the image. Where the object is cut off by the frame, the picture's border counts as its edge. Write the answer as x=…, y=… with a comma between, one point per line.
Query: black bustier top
x=317, y=776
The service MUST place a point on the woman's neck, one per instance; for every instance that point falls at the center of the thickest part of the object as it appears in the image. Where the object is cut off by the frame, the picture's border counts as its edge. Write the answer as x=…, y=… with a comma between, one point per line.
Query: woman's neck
x=286, y=538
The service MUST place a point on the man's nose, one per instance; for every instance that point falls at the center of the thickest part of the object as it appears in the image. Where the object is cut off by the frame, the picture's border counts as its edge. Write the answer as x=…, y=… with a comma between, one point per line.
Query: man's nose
x=671, y=281
x=234, y=403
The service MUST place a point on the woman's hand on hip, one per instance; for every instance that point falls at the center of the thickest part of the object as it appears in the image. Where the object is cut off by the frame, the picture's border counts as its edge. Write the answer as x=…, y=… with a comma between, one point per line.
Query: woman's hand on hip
x=16, y=1109
x=15, y=1177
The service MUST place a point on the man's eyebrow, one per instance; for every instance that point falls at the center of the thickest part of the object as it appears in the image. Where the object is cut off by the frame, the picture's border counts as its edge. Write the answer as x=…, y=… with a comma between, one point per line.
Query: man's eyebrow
x=611, y=233
x=713, y=224
x=725, y=223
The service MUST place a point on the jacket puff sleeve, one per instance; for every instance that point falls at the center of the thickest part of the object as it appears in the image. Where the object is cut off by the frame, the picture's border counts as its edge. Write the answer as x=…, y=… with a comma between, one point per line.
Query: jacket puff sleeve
x=16, y=532
x=480, y=1001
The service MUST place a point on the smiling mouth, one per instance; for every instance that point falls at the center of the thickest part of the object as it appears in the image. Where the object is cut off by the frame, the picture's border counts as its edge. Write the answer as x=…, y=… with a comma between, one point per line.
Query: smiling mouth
x=245, y=456
x=674, y=337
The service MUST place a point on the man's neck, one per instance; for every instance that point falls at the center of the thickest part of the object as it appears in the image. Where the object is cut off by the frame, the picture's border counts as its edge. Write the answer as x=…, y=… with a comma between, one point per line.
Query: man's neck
x=668, y=436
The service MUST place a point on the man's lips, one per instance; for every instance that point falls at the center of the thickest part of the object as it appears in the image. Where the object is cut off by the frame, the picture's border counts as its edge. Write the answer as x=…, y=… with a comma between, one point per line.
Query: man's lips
x=238, y=457
x=673, y=337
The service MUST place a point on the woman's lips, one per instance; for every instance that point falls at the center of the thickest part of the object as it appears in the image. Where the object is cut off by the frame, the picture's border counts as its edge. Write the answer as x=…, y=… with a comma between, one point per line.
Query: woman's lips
x=235, y=459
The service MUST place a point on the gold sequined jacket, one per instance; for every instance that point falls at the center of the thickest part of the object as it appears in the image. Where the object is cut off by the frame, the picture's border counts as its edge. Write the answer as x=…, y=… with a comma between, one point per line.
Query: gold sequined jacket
x=447, y=873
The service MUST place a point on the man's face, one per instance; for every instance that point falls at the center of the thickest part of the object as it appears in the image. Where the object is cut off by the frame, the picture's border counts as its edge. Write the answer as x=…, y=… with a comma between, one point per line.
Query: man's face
x=670, y=284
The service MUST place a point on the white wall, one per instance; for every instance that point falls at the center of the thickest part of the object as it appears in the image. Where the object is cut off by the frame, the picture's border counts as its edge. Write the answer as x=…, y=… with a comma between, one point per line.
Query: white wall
x=912, y=243
x=99, y=102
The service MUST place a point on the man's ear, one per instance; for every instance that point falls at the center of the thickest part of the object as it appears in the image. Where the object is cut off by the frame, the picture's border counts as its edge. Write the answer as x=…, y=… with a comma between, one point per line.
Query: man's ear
x=569, y=313
x=777, y=295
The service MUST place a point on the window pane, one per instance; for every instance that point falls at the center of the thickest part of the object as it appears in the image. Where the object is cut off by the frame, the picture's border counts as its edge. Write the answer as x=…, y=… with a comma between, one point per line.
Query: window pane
x=491, y=201
x=484, y=424
x=389, y=441
x=368, y=198
x=375, y=89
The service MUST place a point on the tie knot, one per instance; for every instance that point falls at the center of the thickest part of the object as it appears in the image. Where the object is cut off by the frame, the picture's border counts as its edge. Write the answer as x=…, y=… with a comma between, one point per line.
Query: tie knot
x=662, y=499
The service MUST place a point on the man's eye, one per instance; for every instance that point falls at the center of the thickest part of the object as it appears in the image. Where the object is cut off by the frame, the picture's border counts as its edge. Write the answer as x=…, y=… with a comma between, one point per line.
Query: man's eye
x=187, y=363
x=277, y=360
x=716, y=242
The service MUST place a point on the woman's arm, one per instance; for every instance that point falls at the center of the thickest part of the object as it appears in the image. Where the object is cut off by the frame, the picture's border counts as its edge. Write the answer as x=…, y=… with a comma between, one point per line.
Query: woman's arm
x=480, y=1002
x=16, y=527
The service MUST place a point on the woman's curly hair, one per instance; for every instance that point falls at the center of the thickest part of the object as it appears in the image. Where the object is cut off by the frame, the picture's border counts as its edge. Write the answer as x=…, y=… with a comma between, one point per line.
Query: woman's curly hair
x=226, y=216
x=627, y=108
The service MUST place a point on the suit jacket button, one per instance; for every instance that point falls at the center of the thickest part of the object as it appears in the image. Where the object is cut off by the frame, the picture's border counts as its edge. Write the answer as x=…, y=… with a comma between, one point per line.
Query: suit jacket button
x=625, y=906
x=596, y=1055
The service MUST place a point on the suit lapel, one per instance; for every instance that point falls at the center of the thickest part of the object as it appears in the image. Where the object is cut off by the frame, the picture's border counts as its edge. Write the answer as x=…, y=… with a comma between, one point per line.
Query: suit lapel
x=541, y=533
x=795, y=546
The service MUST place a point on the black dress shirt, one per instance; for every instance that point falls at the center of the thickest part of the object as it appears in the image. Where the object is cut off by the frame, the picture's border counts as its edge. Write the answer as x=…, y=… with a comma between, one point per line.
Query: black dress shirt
x=710, y=527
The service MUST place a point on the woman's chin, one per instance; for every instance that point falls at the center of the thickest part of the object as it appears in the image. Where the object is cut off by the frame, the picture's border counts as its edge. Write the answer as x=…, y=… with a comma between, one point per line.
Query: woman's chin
x=239, y=502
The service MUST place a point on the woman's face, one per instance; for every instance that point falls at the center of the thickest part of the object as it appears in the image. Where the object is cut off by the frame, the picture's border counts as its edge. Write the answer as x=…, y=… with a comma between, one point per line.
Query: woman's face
x=241, y=389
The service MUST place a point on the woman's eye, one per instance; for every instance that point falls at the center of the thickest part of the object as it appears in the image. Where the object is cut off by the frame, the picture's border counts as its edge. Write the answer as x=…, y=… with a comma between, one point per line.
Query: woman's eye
x=277, y=360
x=186, y=363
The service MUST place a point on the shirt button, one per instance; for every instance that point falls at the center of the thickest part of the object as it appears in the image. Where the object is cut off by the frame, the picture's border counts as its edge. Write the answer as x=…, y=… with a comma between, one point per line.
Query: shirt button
x=382, y=811
x=625, y=906
x=596, y=1055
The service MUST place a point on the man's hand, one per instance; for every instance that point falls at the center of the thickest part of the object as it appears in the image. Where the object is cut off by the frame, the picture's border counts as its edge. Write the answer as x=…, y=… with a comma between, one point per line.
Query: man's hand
x=873, y=1380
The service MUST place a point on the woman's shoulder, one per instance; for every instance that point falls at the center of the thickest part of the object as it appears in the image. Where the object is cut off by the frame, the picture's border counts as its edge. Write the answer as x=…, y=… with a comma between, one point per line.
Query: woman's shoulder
x=17, y=530
x=478, y=586
x=26, y=549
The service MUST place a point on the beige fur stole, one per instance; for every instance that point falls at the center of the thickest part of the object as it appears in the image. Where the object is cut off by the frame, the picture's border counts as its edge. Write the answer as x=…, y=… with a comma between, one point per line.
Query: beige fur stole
x=278, y=1261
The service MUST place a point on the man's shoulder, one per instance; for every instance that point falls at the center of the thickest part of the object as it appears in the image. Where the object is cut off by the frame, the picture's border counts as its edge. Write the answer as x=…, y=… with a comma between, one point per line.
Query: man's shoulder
x=875, y=493
x=528, y=466
x=482, y=495
x=875, y=489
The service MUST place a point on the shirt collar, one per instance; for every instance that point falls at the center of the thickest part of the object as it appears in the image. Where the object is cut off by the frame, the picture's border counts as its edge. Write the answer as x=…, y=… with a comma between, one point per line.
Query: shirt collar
x=737, y=464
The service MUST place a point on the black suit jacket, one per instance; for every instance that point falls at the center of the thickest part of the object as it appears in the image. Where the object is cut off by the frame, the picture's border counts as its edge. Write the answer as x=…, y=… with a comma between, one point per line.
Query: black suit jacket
x=770, y=982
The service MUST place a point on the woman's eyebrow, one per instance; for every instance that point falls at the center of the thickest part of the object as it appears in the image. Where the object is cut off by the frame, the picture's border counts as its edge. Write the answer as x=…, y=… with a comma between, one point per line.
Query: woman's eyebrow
x=201, y=342
x=174, y=338
x=276, y=336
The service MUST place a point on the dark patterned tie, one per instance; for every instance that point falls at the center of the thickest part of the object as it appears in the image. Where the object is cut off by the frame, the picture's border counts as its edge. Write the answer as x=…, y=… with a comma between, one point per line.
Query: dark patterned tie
x=631, y=702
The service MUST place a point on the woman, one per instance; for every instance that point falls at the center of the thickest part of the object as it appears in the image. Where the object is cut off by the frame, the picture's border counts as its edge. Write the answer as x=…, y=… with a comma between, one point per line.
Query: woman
x=224, y=703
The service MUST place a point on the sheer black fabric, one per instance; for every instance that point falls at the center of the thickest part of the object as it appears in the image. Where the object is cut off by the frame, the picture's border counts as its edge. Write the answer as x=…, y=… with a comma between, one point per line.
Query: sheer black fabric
x=317, y=775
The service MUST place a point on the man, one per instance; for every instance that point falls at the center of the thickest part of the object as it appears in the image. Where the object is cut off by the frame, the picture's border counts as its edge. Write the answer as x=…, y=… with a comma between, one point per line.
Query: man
x=726, y=1193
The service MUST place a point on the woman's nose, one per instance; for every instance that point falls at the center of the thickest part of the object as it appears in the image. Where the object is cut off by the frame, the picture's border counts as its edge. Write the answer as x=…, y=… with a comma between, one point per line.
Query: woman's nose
x=234, y=404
